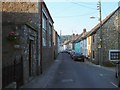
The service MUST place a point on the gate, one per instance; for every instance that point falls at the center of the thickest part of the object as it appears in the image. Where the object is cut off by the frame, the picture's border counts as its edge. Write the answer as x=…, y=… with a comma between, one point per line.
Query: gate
x=13, y=73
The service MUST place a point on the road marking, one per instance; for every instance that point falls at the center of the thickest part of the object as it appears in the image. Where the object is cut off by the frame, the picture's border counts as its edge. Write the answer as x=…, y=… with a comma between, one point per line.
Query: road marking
x=101, y=75
x=113, y=84
x=67, y=80
x=77, y=62
x=61, y=72
x=57, y=60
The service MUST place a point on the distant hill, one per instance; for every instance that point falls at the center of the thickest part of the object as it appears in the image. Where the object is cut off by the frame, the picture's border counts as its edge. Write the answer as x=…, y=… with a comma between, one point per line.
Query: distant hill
x=65, y=37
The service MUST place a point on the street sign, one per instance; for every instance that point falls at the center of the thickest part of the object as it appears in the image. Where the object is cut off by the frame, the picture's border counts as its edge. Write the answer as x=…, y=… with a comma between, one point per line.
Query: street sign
x=114, y=55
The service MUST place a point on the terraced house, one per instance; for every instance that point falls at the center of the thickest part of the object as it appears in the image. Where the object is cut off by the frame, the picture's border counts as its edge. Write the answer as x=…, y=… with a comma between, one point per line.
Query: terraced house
x=81, y=43
x=56, y=43
x=47, y=38
x=26, y=40
x=110, y=39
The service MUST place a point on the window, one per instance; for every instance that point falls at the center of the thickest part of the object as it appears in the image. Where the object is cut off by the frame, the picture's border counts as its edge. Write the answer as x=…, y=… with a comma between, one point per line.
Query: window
x=44, y=30
x=50, y=35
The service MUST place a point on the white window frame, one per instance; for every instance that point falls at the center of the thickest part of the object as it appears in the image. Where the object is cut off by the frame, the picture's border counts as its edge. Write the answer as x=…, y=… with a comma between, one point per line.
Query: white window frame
x=44, y=30
x=110, y=55
x=50, y=35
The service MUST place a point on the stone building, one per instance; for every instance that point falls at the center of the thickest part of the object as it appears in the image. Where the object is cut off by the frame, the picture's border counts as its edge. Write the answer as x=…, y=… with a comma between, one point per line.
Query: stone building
x=55, y=43
x=27, y=40
x=0, y=46
x=20, y=34
x=47, y=40
x=110, y=38
x=27, y=30
x=91, y=44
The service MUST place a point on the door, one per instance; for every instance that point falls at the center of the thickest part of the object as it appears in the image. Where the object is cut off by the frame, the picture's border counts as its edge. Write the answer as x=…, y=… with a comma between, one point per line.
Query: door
x=30, y=57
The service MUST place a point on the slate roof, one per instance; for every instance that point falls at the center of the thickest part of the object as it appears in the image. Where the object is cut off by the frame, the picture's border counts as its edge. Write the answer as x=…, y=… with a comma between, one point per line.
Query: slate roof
x=96, y=28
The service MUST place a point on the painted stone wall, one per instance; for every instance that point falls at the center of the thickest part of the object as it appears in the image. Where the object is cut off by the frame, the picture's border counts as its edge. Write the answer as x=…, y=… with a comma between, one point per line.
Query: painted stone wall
x=89, y=46
x=77, y=47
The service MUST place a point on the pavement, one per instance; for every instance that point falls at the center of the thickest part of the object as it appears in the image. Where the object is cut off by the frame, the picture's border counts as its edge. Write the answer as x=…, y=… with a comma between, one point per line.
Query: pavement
x=43, y=80
x=46, y=78
x=99, y=66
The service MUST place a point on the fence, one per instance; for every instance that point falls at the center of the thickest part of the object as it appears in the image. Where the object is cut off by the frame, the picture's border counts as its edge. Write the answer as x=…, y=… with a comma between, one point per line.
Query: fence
x=13, y=73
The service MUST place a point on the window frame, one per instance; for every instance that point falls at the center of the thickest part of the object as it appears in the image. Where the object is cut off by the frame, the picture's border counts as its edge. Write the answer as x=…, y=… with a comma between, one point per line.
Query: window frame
x=44, y=30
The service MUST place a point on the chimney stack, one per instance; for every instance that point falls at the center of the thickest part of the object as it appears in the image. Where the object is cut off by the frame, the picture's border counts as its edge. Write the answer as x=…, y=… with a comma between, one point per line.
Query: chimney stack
x=73, y=36
x=84, y=30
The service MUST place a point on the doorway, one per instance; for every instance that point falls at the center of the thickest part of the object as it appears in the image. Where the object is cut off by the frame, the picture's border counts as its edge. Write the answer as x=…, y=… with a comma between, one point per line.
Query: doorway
x=30, y=57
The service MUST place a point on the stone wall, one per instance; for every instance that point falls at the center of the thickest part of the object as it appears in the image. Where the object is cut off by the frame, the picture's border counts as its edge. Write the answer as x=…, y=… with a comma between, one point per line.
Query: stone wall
x=55, y=43
x=29, y=7
x=47, y=51
x=10, y=53
x=24, y=19
x=47, y=58
x=25, y=41
x=110, y=38
x=15, y=14
x=0, y=45
x=96, y=49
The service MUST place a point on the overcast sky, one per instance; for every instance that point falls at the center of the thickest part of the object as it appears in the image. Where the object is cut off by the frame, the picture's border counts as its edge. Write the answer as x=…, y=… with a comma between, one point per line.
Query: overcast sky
x=73, y=16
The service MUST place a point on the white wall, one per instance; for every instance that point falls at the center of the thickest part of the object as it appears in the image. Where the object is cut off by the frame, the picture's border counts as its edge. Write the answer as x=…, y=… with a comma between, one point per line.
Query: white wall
x=70, y=46
x=64, y=47
x=59, y=48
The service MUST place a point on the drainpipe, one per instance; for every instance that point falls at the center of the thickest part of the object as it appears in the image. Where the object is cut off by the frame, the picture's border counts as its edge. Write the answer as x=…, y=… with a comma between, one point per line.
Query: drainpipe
x=41, y=70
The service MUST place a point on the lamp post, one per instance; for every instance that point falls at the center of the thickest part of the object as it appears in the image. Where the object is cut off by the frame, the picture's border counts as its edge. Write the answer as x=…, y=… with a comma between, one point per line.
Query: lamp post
x=100, y=33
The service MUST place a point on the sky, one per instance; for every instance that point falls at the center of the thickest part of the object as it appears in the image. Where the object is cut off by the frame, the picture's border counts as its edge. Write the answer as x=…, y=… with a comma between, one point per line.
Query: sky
x=73, y=16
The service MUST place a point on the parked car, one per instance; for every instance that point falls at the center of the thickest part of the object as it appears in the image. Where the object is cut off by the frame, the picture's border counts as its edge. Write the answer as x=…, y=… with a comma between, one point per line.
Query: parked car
x=72, y=53
x=69, y=51
x=64, y=51
x=78, y=57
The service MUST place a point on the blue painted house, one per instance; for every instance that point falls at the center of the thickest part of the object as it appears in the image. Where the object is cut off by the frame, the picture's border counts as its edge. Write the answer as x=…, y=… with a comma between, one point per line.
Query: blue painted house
x=78, y=43
x=77, y=47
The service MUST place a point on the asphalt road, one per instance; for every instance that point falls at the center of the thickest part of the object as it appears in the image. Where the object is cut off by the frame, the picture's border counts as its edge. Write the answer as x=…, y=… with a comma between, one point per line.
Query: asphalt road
x=72, y=74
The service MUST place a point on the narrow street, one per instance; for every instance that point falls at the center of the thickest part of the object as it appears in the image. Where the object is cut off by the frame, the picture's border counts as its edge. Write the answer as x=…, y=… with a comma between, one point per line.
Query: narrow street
x=72, y=74
x=39, y=40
